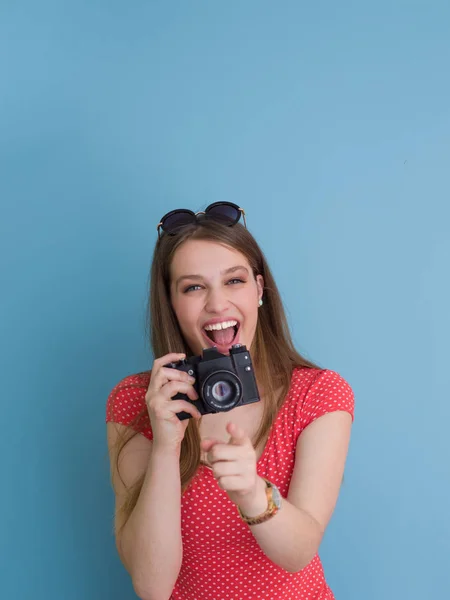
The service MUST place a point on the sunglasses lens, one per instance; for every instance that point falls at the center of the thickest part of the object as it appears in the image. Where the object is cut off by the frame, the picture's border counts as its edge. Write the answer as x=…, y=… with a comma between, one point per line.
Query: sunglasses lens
x=225, y=213
x=178, y=219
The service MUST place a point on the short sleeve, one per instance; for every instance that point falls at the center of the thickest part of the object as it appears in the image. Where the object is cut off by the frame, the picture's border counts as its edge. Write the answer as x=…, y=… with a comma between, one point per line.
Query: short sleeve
x=126, y=404
x=329, y=392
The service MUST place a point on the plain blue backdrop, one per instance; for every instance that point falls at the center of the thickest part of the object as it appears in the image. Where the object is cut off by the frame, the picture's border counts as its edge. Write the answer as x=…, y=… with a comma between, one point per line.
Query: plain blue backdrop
x=330, y=124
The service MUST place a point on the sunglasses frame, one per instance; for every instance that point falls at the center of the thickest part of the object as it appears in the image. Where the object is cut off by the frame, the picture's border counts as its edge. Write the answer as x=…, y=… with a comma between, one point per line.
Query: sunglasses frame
x=240, y=212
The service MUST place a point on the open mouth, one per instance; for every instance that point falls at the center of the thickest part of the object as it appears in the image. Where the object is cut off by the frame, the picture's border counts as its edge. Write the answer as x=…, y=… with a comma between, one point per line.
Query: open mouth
x=222, y=334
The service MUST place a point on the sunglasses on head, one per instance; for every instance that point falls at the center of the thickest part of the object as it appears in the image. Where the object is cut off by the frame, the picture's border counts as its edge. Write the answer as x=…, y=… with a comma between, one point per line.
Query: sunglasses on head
x=226, y=213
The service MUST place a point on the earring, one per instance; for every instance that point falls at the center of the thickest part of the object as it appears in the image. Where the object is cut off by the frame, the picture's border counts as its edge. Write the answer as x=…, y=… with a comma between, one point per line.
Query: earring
x=260, y=302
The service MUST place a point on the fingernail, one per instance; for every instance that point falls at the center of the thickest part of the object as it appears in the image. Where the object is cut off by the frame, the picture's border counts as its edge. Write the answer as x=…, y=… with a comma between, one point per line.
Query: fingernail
x=191, y=379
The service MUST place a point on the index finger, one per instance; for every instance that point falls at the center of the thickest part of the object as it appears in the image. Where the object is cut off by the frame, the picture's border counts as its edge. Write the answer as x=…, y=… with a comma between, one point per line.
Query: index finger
x=168, y=358
x=238, y=435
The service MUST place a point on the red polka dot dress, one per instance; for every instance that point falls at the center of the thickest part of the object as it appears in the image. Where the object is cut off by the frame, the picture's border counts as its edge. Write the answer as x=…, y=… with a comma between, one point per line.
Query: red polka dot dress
x=221, y=558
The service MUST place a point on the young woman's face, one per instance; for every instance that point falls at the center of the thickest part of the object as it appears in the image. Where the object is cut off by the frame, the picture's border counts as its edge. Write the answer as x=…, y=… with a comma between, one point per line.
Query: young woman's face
x=215, y=296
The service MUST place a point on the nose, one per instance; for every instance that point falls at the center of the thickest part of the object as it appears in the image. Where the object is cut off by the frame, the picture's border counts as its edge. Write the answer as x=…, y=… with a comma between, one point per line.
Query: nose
x=216, y=302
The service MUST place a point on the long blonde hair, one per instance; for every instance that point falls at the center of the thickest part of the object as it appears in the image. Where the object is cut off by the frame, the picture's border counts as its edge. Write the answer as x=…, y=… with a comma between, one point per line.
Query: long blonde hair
x=273, y=353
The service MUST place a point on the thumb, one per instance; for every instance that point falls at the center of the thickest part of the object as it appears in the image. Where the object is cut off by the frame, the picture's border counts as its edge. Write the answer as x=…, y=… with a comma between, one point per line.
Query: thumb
x=238, y=435
x=207, y=443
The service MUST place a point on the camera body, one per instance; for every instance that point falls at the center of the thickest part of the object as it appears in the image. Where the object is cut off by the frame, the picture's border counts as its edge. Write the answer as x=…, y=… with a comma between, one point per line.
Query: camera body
x=222, y=382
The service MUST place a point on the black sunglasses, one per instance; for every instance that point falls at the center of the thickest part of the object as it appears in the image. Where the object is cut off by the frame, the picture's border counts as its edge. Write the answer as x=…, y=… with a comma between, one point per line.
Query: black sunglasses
x=222, y=212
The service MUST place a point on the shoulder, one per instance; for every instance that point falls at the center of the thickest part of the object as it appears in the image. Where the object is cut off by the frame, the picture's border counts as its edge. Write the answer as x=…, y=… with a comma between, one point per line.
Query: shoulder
x=305, y=380
x=135, y=381
x=126, y=402
x=315, y=392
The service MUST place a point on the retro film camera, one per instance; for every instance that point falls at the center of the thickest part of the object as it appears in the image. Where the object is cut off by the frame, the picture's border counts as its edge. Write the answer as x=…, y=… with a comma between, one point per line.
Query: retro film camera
x=222, y=382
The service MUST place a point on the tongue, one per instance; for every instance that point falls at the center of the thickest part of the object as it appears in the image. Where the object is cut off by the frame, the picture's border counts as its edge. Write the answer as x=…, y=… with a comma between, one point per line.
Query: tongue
x=223, y=337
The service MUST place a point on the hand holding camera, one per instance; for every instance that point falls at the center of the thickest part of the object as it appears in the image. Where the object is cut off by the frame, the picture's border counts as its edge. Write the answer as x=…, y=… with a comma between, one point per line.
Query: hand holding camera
x=168, y=430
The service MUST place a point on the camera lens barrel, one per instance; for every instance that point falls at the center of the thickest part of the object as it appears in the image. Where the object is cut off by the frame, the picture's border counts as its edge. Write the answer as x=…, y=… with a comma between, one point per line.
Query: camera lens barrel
x=222, y=391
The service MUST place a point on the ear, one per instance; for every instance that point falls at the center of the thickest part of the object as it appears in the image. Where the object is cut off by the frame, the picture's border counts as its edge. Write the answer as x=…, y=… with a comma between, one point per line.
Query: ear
x=260, y=286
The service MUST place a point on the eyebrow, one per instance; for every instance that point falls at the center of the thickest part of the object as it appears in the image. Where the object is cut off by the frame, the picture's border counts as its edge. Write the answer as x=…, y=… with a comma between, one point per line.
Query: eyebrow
x=226, y=272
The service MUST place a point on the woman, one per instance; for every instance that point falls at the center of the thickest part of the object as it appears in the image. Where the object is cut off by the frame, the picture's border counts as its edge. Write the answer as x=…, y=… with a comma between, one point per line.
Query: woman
x=229, y=504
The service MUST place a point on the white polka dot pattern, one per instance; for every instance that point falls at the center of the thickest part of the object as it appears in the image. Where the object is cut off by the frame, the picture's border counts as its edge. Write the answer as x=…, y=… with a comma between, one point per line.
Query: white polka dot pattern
x=221, y=558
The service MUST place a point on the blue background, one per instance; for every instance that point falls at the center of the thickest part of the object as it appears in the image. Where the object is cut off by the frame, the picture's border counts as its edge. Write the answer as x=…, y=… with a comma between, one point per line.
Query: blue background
x=330, y=123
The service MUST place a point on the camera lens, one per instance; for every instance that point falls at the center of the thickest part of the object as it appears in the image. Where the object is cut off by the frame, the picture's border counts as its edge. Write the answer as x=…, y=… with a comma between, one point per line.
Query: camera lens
x=222, y=391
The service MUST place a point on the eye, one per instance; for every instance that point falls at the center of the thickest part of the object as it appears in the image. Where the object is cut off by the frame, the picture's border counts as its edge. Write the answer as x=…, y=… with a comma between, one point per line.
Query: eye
x=191, y=288
x=235, y=280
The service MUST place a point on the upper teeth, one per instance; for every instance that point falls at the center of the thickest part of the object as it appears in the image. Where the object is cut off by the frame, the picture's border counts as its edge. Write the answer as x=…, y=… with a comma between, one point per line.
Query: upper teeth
x=224, y=325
